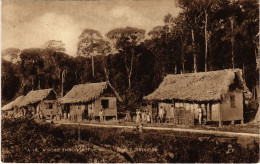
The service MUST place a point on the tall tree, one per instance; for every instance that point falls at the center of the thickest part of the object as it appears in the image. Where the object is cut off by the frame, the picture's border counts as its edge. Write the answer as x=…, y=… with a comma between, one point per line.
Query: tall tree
x=62, y=62
x=250, y=25
x=32, y=63
x=201, y=11
x=11, y=54
x=231, y=24
x=55, y=45
x=190, y=19
x=125, y=40
x=205, y=8
x=88, y=45
x=105, y=50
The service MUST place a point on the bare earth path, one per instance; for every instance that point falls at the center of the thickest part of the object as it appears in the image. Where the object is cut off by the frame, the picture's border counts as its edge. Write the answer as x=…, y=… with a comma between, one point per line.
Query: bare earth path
x=209, y=132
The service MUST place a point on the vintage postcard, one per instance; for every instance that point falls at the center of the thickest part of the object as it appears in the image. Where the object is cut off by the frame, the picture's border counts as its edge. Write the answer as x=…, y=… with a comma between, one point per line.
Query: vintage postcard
x=130, y=81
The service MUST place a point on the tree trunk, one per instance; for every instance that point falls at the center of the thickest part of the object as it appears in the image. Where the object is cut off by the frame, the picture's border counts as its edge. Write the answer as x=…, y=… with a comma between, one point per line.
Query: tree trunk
x=32, y=83
x=92, y=63
x=62, y=82
x=39, y=84
x=104, y=59
x=21, y=90
x=130, y=74
x=194, y=54
x=183, y=67
x=257, y=58
x=182, y=56
x=211, y=58
x=2, y=83
x=232, y=44
x=46, y=82
x=195, y=62
x=206, y=41
x=129, y=70
x=243, y=69
x=76, y=75
x=61, y=91
x=106, y=73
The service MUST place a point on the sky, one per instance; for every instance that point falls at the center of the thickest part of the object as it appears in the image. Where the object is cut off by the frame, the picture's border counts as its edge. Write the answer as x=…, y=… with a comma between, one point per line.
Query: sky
x=29, y=24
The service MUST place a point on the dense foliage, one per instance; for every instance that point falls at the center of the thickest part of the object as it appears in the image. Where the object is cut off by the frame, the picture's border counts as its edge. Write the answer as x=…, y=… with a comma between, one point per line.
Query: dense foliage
x=205, y=36
x=24, y=140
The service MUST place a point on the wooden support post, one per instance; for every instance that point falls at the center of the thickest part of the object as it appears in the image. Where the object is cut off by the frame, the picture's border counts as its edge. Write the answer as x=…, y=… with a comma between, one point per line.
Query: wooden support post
x=208, y=112
x=220, y=117
x=116, y=114
x=220, y=123
x=242, y=122
x=232, y=122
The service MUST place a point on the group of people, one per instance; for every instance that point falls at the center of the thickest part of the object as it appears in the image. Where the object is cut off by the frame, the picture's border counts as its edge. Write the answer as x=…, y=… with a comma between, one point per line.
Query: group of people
x=143, y=116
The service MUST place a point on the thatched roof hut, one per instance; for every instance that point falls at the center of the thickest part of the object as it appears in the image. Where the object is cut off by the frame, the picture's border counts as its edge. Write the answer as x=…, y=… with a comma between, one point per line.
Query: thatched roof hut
x=202, y=86
x=13, y=104
x=86, y=92
x=36, y=96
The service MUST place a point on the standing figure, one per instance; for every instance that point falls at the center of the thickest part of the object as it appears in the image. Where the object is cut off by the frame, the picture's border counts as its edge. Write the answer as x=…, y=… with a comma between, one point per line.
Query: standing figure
x=24, y=111
x=204, y=113
x=143, y=116
x=138, y=116
x=65, y=115
x=161, y=113
x=200, y=115
x=101, y=118
x=59, y=114
x=148, y=117
x=38, y=111
x=128, y=116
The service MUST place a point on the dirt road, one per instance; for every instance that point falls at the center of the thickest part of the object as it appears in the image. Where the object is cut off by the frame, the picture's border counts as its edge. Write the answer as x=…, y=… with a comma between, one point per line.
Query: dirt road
x=208, y=132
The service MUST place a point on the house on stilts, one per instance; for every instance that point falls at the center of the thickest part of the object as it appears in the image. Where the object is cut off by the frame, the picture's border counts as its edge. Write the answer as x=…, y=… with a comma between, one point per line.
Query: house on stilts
x=84, y=101
x=221, y=92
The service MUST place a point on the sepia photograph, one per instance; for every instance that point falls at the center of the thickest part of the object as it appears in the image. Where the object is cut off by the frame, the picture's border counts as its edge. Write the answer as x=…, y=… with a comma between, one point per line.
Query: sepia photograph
x=130, y=81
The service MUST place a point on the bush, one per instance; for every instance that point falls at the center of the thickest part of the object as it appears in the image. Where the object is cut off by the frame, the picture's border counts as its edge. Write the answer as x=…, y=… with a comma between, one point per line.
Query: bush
x=24, y=140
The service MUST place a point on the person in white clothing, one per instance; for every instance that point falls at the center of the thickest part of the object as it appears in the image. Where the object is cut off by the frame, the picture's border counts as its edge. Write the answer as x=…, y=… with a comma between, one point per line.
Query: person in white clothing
x=200, y=115
x=101, y=117
x=143, y=116
x=161, y=113
x=148, y=117
x=138, y=116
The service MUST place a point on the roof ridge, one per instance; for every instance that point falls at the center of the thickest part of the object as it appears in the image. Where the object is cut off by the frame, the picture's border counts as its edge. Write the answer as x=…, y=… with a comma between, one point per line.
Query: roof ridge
x=200, y=73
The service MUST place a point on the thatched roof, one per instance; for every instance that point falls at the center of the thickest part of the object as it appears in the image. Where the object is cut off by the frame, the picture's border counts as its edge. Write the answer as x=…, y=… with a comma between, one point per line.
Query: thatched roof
x=35, y=96
x=203, y=86
x=86, y=92
x=13, y=104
